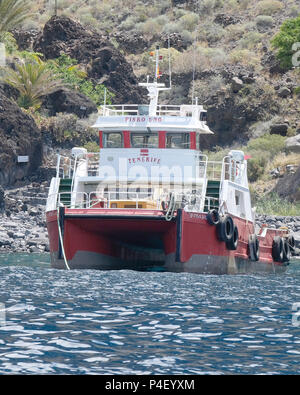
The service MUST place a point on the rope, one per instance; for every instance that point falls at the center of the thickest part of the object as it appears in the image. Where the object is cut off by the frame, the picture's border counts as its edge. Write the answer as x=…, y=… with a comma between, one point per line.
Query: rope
x=171, y=208
x=61, y=241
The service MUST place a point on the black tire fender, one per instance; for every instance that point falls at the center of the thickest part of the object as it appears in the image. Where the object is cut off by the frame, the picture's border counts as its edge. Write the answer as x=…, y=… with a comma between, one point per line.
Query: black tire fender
x=232, y=244
x=225, y=228
x=277, y=249
x=253, y=247
x=213, y=217
x=286, y=251
x=291, y=242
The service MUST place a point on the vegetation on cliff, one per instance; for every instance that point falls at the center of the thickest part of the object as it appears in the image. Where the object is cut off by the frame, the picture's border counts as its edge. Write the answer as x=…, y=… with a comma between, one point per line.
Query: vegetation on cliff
x=235, y=56
x=287, y=41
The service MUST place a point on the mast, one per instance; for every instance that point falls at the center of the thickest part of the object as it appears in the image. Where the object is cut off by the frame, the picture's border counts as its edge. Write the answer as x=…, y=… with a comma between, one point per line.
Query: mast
x=154, y=87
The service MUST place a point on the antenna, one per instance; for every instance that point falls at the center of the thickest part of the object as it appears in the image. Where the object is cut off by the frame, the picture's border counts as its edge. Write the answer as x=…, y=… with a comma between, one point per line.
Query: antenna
x=194, y=66
x=194, y=52
x=170, y=70
x=157, y=74
x=104, y=101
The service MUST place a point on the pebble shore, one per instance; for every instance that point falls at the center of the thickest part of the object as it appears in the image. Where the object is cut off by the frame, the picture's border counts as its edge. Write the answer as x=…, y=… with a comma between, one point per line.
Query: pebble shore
x=23, y=223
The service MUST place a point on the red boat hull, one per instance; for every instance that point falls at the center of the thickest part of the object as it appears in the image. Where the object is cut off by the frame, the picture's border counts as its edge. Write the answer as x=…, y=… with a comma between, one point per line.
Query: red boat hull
x=112, y=239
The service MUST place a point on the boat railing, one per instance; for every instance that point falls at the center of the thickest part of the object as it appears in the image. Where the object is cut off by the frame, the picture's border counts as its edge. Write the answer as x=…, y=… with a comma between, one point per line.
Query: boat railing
x=214, y=170
x=232, y=170
x=65, y=166
x=143, y=110
x=202, y=165
x=104, y=199
x=211, y=203
x=93, y=163
x=190, y=201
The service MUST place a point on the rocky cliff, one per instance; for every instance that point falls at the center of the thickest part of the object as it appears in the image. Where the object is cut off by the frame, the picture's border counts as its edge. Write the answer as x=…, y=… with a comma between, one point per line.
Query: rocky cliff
x=104, y=63
x=19, y=136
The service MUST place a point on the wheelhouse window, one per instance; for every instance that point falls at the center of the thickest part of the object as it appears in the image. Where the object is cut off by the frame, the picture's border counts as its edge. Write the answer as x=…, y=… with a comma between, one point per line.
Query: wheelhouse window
x=198, y=147
x=144, y=140
x=203, y=116
x=112, y=140
x=178, y=140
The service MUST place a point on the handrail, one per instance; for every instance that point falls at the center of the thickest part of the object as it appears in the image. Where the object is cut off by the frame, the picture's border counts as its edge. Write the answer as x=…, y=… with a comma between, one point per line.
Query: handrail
x=162, y=109
x=106, y=198
x=74, y=173
x=192, y=202
x=64, y=166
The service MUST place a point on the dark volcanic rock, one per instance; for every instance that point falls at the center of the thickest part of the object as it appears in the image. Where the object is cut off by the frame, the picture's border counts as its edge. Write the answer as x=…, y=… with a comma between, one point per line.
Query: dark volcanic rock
x=104, y=63
x=279, y=128
x=226, y=20
x=70, y=101
x=9, y=91
x=57, y=35
x=176, y=41
x=132, y=43
x=19, y=135
x=271, y=63
x=289, y=186
x=25, y=38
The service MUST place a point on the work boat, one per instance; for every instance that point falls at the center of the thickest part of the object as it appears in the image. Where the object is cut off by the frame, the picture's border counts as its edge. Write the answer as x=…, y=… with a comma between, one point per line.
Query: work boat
x=151, y=200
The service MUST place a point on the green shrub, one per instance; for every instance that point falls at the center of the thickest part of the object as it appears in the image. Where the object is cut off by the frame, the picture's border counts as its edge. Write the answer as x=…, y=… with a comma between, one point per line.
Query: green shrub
x=250, y=40
x=269, y=7
x=268, y=145
x=244, y=56
x=66, y=69
x=256, y=168
x=92, y=146
x=206, y=7
x=264, y=21
x=189, y=21
x=284, y=40
x=272, y=204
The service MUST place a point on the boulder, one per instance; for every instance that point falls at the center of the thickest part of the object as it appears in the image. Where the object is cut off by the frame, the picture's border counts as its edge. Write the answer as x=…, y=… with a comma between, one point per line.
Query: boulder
x=271, y=63
x=25, y=38
x=176, y=41
x=226, y=20
x=104, y=63
x=289, y=186
x=284, y=92
x=236, y=84
x=279, y=128
x=293, y=143
x=69, y=101
x=2, y=199
x=19, y=136
x=297, y=239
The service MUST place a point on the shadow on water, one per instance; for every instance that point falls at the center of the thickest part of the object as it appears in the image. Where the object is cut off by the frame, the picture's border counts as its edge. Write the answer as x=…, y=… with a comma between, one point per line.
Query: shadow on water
x=29, y=260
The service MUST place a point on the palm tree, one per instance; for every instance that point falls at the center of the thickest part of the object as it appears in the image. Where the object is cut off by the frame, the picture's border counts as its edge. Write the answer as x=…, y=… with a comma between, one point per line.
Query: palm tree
x=12, y=13
x=33, y=80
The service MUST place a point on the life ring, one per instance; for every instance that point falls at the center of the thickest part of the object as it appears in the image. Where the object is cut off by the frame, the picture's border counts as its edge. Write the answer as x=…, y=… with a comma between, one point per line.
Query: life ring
x=291, y=242
x=225, y=228
x=277, y=249
x=253, y=247
x=234, y=241
x=213, y=217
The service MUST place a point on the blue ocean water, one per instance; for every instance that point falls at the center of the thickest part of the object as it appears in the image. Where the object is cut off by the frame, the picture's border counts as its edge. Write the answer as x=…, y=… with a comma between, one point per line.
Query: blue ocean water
x=126, y=322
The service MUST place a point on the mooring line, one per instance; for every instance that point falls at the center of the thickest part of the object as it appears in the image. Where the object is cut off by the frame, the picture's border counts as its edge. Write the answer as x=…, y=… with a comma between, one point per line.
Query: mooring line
x=61, y=241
